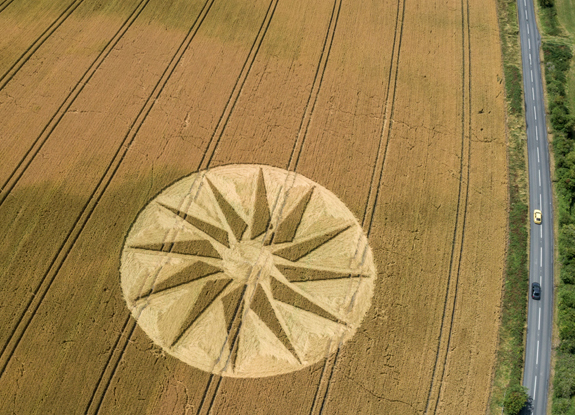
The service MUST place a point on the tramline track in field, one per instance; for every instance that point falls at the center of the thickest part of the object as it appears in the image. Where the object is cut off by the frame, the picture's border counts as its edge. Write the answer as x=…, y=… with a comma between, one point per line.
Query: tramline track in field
x=447, y=317
x=214, y=382
x=9, y=74
x=5, y=4
x=322, y=392
x=53, y=122
x=129, y=326
x=85, y=214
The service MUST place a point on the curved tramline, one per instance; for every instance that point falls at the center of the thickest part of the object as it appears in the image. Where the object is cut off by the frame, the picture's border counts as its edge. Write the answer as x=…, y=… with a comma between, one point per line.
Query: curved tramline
x=15, y=67
x=226, y=286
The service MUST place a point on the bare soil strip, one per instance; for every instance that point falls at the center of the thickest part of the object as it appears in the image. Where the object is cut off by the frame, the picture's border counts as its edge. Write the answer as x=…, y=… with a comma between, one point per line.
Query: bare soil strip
x=15, y=67
x=17, y=139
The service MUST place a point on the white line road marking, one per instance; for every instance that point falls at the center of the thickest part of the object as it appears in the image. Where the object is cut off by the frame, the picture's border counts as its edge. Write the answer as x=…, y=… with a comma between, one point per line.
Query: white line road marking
x=533, y=93
x=526, y=14
x=525, y=4
x=530, y=63
x=535, y=388
x=537, y=354
x=539, y=324
x=531, y=75
x=541, y=257
x=537, y=154
x=539, y=178
x=534, y=113
x=528, y=39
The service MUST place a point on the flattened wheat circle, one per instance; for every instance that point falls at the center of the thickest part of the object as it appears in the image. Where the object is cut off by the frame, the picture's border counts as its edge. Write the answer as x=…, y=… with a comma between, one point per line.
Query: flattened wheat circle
x=247, y=271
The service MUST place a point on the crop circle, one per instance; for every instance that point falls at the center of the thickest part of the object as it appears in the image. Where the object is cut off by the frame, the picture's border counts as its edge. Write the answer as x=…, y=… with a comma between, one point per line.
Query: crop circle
x=247, y=271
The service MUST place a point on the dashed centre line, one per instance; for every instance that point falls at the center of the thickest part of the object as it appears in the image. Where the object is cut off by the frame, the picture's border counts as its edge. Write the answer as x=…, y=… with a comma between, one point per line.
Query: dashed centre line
x=539, y=178
x=533, y=93
x=528, y=40
x=538, y=155
x=537, y=354
x=531, y=75
x=539, y=324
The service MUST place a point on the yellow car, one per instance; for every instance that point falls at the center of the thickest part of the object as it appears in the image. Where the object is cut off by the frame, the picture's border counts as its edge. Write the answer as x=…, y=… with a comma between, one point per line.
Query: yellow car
x=537, y=216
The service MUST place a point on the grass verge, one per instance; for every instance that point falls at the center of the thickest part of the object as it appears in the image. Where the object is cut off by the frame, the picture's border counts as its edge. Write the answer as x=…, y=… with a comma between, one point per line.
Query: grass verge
x=509, y=364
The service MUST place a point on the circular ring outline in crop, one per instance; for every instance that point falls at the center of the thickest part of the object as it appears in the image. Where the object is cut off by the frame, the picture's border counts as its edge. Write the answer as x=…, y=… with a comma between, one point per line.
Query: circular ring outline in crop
x=247, y=271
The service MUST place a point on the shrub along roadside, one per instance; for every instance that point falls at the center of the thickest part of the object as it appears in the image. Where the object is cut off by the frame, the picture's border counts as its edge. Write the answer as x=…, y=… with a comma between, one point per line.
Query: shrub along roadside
x=558, y=56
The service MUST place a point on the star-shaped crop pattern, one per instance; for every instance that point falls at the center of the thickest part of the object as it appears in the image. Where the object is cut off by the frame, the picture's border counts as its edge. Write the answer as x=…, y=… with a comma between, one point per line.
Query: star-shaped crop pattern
x=250, y=262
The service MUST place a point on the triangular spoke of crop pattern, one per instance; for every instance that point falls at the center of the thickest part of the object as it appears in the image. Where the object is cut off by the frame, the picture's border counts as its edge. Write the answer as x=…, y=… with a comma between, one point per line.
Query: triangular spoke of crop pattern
x=307, y=273
x=196, y=247
x=236, y=223
x=213, y=231
x=288, y=227
x=262, y=307
x=233, y=311
x=208, y=295
x=285, y=294
x=261, y=216
x=297, y=250
x=191, y=273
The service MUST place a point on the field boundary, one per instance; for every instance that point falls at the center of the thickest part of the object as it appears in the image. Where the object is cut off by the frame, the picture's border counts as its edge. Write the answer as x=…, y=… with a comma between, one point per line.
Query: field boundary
x=8, y=75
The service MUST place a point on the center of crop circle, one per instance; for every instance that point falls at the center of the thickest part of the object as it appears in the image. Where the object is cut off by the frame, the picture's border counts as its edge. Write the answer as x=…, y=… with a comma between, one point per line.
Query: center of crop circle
x=248, y=262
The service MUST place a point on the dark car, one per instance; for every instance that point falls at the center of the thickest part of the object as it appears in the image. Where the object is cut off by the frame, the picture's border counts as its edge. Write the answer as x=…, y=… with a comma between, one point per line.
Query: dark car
x=536, y=291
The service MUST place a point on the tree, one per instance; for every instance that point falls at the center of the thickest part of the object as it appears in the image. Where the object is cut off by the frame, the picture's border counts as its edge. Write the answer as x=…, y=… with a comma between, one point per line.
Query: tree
x=515, y=399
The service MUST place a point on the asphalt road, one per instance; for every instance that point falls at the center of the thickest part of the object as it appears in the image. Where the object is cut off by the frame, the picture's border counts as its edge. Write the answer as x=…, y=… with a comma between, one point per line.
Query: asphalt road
x=540, y=313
